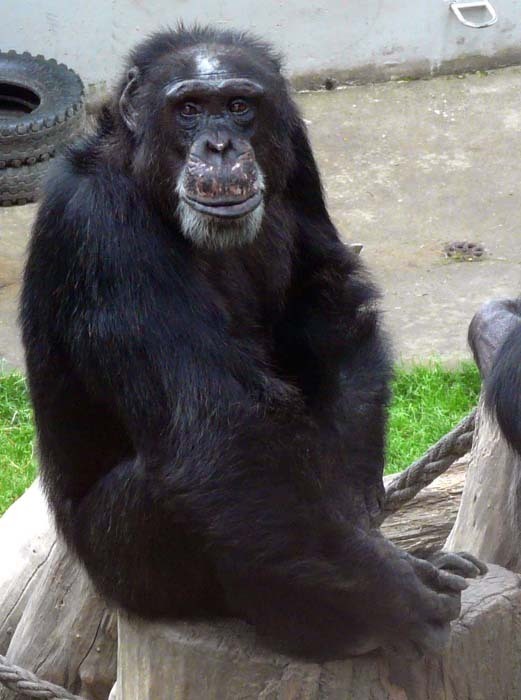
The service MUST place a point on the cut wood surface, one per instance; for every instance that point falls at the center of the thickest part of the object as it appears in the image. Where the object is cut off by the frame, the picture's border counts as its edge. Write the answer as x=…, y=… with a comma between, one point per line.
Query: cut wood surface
x=223, y=662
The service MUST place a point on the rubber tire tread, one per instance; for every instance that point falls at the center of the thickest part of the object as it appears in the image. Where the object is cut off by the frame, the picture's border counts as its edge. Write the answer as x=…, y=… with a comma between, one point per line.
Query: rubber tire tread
x=21, y=185
x=45, y=131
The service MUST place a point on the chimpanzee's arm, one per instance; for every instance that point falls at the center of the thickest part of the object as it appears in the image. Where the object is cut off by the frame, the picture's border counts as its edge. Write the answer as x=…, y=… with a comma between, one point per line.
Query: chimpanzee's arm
x=331, y=339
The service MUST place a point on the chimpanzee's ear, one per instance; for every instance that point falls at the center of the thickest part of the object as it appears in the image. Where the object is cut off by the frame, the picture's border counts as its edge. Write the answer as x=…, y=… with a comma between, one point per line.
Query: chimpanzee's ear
x=126, y=108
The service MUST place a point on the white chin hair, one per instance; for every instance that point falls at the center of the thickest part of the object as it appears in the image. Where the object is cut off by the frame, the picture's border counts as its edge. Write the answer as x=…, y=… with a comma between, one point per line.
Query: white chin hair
x=211, y=232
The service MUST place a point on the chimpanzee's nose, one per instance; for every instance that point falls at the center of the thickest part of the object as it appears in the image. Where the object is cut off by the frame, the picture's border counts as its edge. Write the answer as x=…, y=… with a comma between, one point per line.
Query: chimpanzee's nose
x=220, y=143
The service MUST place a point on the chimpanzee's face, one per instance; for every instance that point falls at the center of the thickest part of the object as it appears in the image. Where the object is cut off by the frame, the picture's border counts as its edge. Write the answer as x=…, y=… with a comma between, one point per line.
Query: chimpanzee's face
x=207, y=119
x=221, y=185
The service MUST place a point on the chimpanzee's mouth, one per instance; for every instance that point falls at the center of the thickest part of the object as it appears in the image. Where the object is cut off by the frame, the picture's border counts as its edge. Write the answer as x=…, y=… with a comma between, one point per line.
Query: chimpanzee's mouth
x=225, y=208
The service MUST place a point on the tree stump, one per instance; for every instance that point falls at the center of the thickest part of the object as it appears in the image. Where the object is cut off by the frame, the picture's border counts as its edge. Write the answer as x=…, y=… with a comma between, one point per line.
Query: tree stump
x=223, y=662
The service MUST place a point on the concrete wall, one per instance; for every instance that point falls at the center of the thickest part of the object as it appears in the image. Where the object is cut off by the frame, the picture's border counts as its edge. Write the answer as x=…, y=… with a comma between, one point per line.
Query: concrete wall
x=346, y=39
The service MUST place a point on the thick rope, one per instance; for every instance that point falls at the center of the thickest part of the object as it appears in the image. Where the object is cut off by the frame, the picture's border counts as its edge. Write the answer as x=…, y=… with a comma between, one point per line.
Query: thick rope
x=433, y=463
x=405, y=487
x=28, y=684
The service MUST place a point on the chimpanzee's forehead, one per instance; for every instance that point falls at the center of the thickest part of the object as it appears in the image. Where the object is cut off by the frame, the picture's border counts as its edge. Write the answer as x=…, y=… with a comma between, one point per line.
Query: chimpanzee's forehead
x=213, y=62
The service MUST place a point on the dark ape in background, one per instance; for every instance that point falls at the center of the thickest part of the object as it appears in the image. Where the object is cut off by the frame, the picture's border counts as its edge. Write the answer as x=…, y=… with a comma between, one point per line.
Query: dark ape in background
x=495, y=339
x=208, y=374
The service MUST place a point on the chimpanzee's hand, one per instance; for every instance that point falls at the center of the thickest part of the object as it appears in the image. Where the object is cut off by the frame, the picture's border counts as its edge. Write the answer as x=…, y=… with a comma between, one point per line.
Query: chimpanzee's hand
x=418, y=602
x=460, y=563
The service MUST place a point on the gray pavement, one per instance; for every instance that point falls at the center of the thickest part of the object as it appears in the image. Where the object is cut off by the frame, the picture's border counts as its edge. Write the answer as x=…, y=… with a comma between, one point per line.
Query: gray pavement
x=407, y=167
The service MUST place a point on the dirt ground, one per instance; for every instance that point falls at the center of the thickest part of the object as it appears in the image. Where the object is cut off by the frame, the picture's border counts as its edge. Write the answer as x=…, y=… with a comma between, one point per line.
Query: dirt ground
x=408, y=167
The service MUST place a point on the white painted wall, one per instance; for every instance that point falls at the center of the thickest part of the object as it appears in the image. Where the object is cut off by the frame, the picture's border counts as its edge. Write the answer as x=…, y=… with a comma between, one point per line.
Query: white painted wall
x=348, y=38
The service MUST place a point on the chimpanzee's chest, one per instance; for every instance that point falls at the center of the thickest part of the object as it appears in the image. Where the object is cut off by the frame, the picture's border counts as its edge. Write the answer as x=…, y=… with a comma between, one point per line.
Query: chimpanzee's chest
x=251, y=286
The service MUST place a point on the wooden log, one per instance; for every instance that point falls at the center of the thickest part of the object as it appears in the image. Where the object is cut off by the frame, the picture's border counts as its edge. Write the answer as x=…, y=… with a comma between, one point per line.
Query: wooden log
x=51, y=620
x=223, y=661
x=66, y=635
x=26, y=539
x=425, y=522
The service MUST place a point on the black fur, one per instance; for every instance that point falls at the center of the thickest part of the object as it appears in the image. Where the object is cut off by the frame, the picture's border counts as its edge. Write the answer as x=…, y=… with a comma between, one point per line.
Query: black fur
x=503, y=384
x=211, y=424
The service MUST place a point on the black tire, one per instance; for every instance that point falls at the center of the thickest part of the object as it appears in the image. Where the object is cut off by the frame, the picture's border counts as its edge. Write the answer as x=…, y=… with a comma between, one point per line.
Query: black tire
x=21, y=185
x=41, y=108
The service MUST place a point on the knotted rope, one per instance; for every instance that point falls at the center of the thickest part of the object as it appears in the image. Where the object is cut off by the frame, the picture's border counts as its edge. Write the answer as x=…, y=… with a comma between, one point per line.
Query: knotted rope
x=434, y=462
x=28, y=684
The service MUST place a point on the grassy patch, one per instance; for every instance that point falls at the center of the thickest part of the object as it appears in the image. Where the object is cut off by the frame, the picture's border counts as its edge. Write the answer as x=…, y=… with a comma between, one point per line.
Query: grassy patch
x=17, y=467
x=428, y=402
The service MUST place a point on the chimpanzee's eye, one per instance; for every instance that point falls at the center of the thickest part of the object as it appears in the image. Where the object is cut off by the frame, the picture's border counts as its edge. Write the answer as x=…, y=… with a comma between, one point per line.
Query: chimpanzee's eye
x=238, y=106
x=189, y=109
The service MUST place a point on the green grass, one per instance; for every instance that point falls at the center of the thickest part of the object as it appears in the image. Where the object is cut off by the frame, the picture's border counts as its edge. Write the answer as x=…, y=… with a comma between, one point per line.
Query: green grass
x=17, y=466
x=428, y=401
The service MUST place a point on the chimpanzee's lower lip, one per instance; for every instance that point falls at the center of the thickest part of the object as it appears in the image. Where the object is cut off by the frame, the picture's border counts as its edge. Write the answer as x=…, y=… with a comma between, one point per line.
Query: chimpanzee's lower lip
x=225, y=209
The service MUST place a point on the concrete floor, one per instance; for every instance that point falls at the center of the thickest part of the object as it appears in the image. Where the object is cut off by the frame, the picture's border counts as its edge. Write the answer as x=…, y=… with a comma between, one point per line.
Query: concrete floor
x=408, y=167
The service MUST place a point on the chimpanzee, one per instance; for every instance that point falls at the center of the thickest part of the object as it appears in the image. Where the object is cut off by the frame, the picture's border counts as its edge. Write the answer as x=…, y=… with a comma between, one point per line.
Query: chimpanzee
x=495, y=338
x=207, y=367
